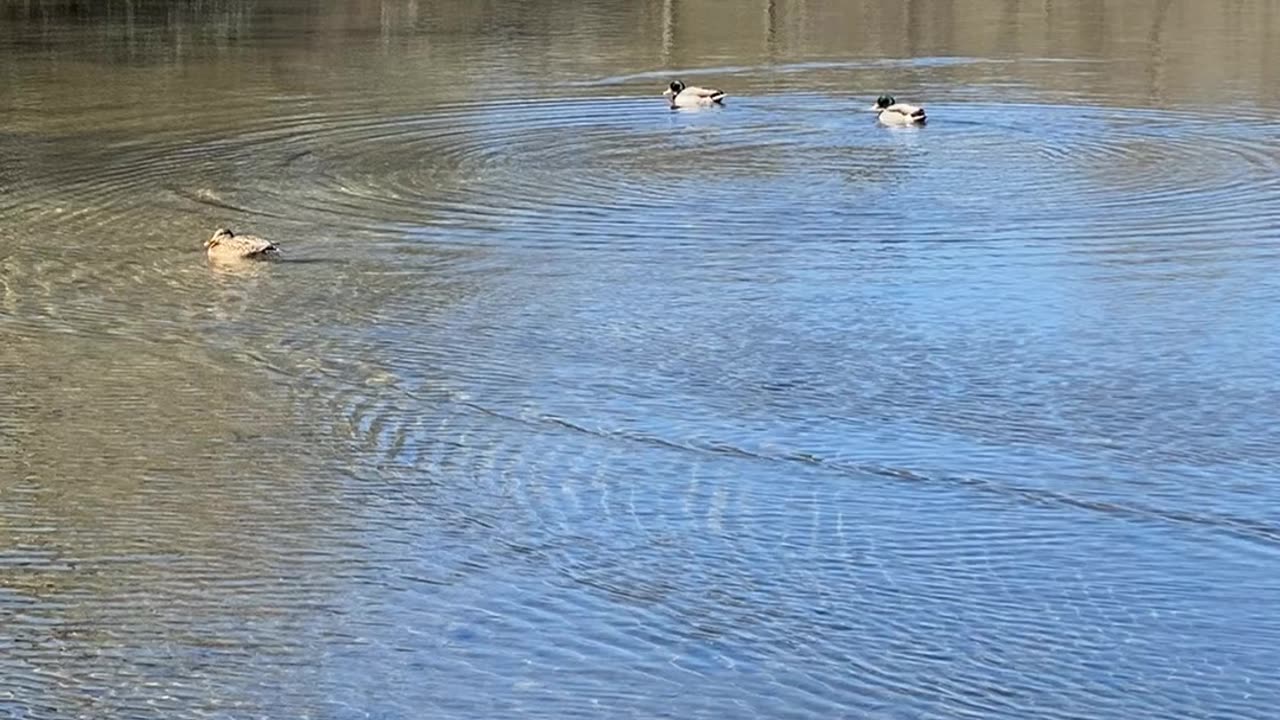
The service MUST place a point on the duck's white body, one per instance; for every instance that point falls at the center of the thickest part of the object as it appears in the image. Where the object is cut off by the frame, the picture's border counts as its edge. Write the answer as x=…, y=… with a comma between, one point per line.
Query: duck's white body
x=890, y=112
x=226, y=246
x=688, y=96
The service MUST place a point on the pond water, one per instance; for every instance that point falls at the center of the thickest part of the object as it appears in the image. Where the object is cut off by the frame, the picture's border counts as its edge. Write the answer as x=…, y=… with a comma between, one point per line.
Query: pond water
x=563, y=404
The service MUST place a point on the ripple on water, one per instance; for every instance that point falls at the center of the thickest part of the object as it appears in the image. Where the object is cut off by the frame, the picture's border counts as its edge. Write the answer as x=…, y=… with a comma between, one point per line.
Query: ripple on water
x=568, y=170
x=677, y=422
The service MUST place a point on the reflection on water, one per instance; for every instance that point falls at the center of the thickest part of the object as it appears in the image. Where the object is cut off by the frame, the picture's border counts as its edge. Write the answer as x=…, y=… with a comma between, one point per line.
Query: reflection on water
x=565, y=404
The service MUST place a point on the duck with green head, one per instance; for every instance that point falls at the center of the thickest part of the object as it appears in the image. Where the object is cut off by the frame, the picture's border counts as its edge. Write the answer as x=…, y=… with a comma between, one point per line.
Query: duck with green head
x=688, y=96
x=891, y=112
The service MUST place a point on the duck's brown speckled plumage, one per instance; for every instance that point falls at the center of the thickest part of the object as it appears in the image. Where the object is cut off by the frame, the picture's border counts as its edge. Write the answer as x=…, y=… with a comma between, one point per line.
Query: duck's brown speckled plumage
x=225, y=246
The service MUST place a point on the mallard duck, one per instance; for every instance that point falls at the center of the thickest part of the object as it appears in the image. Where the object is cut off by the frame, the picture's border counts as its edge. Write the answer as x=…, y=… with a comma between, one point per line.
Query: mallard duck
x=891, y=112
x=680, y=95
x=226, y=246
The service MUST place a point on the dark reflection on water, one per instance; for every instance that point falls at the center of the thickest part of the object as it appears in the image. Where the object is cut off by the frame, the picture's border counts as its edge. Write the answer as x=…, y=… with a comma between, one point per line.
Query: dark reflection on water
x=567, y=405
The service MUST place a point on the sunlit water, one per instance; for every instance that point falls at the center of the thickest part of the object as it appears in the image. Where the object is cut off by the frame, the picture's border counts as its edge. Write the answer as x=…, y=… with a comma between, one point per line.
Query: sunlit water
x=567, y=405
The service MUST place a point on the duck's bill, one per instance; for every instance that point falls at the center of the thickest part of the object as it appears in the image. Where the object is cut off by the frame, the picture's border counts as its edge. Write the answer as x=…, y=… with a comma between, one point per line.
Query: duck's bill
x=875, y=108
x=667, y=93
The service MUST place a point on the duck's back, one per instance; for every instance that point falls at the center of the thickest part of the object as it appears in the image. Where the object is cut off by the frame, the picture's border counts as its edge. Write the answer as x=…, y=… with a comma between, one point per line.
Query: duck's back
x=698, y=96
x=902, y=114
x=244, y=247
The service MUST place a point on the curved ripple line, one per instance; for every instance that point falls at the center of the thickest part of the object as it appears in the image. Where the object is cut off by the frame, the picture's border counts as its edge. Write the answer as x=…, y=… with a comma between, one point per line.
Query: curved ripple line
x=558, y=169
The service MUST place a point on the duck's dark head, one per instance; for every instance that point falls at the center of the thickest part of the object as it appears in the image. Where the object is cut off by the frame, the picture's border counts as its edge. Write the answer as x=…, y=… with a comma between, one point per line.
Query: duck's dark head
x=884, y=101
x=218, y=236
x=677, y=87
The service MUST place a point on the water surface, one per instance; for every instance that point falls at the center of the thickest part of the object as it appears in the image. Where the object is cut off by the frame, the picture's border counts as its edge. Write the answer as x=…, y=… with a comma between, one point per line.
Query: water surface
x=566, y=405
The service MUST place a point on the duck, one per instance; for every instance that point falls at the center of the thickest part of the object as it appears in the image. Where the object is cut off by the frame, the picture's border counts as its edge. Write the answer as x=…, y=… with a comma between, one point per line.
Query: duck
x=226, y=246
x=683, y=96
x=891, y=112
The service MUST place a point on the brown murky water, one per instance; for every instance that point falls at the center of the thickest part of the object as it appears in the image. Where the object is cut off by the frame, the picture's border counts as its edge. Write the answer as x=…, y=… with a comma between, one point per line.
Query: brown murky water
x=563, y=404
